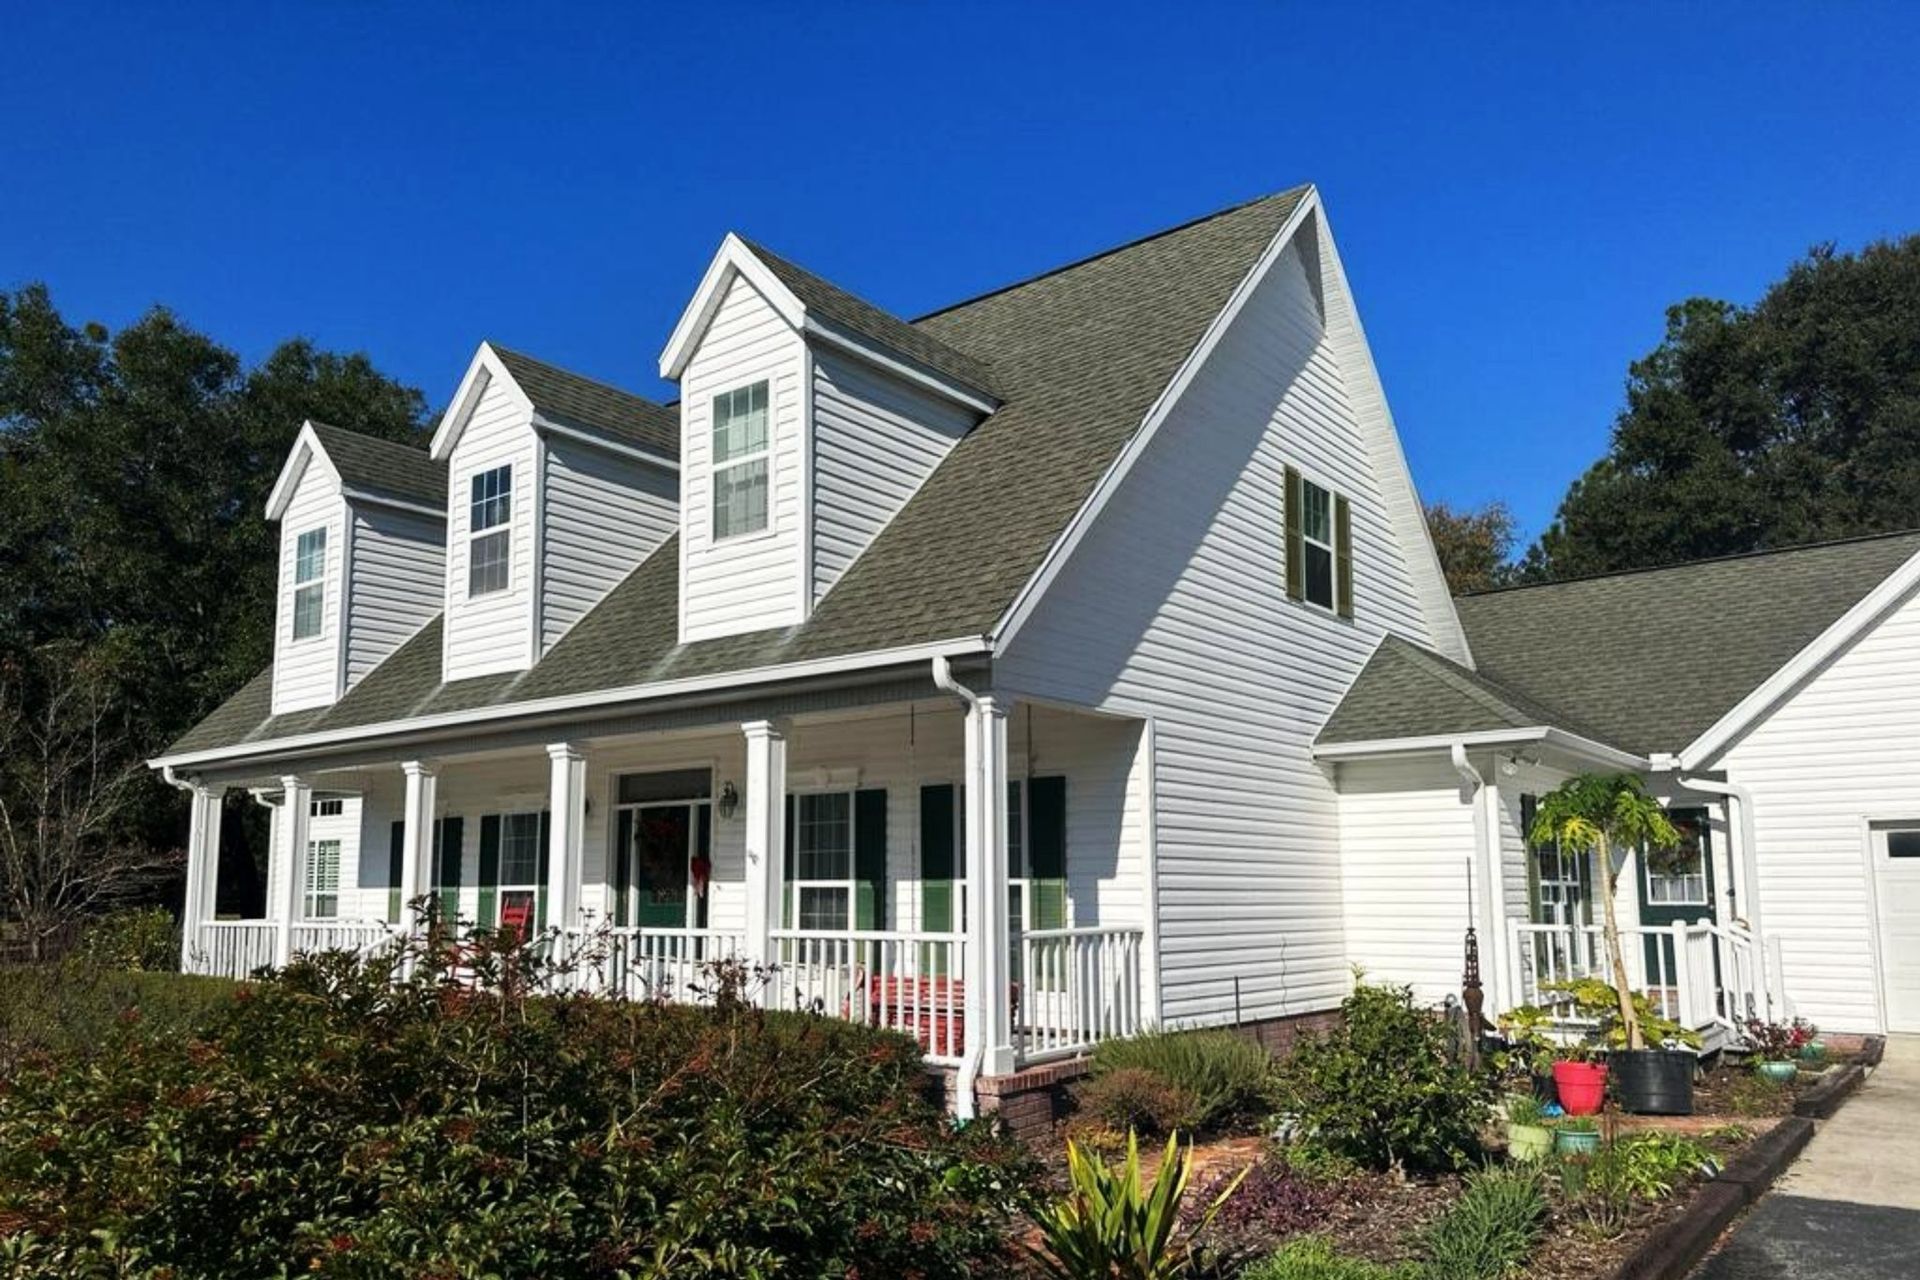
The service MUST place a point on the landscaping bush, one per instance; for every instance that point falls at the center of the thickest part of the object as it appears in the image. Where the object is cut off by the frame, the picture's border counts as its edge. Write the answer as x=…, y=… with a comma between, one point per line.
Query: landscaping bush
x=77, y=1009
x=1383, y=1088
x=1311, y=1258
x=1228, y=1077
x=1137, y=1099
x=335, y=1122
x=1273, y=1202
x=143, y=938
x=1490, y=1230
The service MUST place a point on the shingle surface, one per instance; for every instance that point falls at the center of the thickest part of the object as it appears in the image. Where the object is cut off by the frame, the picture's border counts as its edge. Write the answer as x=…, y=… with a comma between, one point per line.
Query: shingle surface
x=1080, y=355
x=1651, y=660
x=383, y=467
x=582, y=402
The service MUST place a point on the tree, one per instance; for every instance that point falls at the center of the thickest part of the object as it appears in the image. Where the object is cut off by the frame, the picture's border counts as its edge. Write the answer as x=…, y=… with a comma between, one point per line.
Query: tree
x=1597, y=814
x=1474, y=545
x=133, y=539
x=1791, y=421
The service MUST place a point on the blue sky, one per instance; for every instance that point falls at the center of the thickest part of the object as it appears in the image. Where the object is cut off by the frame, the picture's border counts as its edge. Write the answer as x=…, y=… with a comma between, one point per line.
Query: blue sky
x=1518, y=191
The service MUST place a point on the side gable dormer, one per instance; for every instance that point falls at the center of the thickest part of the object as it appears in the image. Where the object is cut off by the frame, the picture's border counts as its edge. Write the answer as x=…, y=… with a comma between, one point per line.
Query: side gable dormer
x=808, y=418
x=558, y=486
x=362, y=538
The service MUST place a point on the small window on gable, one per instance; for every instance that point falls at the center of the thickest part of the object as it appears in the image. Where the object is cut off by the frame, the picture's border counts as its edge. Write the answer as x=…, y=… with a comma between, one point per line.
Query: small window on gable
x=489, y=547
x=1319, y=546
x=740, y=459
x=309, y=583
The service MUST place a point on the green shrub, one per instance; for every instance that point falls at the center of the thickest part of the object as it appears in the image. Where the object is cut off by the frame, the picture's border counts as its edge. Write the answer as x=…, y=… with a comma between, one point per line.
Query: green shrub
x=1653, y=1164
x=1113, y=1226
x=335, y=1122
x=1132, y=1098
x=1228, y=1077
x=1383, y=1089
x=143, y=938
x=1312, y=1258
x=1490, y=1230
x=77, y=1009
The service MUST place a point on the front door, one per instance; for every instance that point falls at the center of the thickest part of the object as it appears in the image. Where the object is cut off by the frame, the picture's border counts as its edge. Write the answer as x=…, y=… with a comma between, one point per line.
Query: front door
x=663, y=839
x=1676, y=886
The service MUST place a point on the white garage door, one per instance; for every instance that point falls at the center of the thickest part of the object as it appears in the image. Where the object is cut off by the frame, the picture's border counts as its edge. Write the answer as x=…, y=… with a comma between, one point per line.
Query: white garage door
x=1896, y=866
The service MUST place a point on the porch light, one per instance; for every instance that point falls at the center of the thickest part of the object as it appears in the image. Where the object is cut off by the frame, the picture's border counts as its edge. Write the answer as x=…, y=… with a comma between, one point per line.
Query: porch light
x=729, y=801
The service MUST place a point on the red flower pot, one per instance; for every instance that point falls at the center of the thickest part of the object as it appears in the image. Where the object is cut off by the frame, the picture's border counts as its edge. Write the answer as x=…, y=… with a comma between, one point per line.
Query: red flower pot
x=1582, y=1086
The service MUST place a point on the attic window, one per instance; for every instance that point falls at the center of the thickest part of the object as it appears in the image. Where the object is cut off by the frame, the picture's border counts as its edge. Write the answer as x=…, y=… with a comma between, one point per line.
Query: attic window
x=489, y=553
x=309, y=583
x=740, y=461
x=1319, y=546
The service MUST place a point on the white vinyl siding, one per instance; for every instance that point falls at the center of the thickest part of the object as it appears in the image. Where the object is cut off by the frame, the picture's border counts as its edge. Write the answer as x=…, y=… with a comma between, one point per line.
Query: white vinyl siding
x=1171, y=608
x=492, y=632
x=749, y=582
x=393, y=584
x=876, y=438
x=1842, y=751
x=602, y=514
x=306, y=671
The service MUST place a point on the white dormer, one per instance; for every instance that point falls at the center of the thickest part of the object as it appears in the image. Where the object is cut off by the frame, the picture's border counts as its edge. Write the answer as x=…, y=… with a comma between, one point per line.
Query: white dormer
x=808, y=418
x=557, y=488
x=361, y=547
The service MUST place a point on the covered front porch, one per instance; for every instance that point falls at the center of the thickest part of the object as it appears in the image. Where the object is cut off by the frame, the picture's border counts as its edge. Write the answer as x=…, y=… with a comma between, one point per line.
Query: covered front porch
x=834, y=853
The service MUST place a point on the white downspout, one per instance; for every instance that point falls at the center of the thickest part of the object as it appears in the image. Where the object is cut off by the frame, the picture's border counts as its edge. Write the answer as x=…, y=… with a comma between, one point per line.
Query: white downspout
x=1746, y=870
x=963, y=1101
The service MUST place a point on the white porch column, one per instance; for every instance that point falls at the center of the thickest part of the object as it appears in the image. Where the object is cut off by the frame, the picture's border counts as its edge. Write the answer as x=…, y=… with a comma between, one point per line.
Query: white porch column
x=416, y=839
x=203, y=869
x=567, y=826
x=290, y=861
x=989, y=997
x=766, y=837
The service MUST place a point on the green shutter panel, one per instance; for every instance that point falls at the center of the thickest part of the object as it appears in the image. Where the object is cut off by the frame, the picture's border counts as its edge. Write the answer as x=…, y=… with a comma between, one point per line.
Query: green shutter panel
x=1047, y=851
x=487, y=916
x=622, y=853
x=936, y=858
x=1343, y=558
x=870, y=859
x=703, y=817
x=1528, y=805
x=396, y=868
x=546, y=865
x=448, y=837
x=1296, y=549
x=786, y=874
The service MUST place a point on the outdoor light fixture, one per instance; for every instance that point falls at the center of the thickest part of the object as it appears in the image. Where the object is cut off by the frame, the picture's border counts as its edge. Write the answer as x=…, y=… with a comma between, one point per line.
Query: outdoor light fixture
x=729, y=800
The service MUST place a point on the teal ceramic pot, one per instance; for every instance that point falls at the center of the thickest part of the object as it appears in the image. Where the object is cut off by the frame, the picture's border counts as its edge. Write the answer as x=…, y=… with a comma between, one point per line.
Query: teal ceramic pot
x=1576, y=1142
x=1780, y=1072
x=1814, y=1052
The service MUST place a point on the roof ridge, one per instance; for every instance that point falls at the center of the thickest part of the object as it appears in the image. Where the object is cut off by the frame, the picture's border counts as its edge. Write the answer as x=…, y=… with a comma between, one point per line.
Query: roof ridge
x=1110, y=252
x=518, y=354
x=1758, y=553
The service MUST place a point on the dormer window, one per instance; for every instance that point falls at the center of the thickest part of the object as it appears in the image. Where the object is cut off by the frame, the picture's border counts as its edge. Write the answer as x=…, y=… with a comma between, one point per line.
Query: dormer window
x=489, y=549
x=309, y=583
x=740, y=461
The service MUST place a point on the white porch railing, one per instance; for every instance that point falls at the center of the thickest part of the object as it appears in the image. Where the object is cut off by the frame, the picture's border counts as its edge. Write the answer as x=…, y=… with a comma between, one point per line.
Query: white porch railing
x=645, y=964
x=362, y=937
x=234, y=948
x=1702, y=975
x=1075, y=988
x=908, y=982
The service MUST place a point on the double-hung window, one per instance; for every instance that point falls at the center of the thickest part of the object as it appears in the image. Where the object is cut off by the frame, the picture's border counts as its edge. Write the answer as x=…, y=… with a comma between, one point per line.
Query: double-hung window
x=823, y=861
x=1316, y=534
x=489, y=531
x=740, y=461
x=309, y=583
x=1319, y=546
x=519, y=869
x=321, y=900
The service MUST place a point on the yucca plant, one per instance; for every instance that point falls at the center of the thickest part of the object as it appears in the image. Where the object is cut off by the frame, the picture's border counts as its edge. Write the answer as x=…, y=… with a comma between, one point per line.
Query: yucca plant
x=1110, y=1227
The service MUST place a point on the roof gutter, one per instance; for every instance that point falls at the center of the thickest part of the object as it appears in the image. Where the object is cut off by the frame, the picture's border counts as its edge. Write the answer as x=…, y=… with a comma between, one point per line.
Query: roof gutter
x=1573, y=743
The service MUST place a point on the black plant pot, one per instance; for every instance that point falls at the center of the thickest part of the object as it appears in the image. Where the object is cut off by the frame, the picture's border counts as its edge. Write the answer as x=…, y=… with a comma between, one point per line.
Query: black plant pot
x=1653, y=1082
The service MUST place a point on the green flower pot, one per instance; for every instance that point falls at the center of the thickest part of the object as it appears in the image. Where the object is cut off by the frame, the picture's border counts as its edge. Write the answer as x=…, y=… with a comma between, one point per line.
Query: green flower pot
x=1814, y=1053
x=1576, y=1142
x=1779, y=1072
x=1528, y=1142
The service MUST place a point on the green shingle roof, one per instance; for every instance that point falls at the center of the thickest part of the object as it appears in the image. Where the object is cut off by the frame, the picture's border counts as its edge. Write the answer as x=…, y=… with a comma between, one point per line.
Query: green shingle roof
x=383, y=467
x=1078, y=355
x=1653, y=659
x=1406, y=691
x=571, y=399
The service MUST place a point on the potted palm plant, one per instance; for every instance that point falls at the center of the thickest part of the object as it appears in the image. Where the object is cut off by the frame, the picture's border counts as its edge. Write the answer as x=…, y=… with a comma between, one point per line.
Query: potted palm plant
x=1600, y=814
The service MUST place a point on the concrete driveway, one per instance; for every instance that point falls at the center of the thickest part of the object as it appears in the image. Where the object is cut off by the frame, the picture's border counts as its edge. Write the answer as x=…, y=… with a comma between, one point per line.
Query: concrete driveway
x=1850, y=1205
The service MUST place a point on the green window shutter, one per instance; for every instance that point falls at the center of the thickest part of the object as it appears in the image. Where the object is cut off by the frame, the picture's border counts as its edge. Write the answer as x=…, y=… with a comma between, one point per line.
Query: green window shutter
x=396, y=868
x=870, y=859
x=1296, y=549
x=448, y=837
x=546, y=866
x=489, y=870
x=1528, y=805
x=786, y=875
x=622, y=854
x=703, y=817
x=1047, y=851
x=1343, y=558
x=936, y=858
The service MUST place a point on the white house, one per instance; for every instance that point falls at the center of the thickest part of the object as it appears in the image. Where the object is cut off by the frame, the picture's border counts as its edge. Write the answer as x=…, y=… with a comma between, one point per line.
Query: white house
x=1104, y=599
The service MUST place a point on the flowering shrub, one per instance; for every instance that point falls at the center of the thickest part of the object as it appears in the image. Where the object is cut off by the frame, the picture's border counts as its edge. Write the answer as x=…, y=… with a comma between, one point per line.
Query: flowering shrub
x=339, y=1120
x=1779, y=1041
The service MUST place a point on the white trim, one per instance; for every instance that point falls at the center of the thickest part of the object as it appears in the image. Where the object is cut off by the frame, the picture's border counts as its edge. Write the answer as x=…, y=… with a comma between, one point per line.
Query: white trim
x=599, y=699
x=866, y=349
x=1036, y=586
x=538, y=569
x=731, y=259
x=306, y=446
x=346, y=600
x=388, y=500
x=1150, y=940
x=485, y=366
x=543, y=425
x=1599, y=752
x=1852, y=624
x=806, y=477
